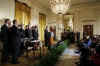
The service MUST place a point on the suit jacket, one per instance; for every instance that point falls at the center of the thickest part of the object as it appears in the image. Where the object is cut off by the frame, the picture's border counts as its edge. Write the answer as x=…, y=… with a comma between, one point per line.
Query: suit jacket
x=35, y=34
x=15, y=37
x=27, y=33
x=21, y=32
x=49, y=36
x=46, y=34
x=4, y=33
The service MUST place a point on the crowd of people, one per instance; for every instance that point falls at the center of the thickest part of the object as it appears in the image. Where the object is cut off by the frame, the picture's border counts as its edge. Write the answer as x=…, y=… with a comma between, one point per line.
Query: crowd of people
x=12, y=37
x=89, y=48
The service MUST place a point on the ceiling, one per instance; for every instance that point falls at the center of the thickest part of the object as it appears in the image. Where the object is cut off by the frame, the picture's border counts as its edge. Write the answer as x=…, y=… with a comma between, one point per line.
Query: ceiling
x=45, y=3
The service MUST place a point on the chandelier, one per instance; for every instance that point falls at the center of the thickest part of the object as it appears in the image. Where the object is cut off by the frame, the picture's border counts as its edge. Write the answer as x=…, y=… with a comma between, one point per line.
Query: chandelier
x=59, y=6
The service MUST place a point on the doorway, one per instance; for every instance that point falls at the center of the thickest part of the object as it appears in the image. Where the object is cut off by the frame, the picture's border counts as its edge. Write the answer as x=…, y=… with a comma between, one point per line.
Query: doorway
x=87, y=30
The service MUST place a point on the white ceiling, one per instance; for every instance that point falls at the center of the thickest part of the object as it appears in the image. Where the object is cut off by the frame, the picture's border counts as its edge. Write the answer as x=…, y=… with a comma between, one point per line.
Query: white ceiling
x=82, y=1
x=45, y=3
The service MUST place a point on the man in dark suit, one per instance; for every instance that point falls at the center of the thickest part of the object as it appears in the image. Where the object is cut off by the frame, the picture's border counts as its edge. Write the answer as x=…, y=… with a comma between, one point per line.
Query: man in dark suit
x=46, y=36
x=21, y=32
x=4, y=39
x=35, y=33
x=27, y=32
x=15, y=37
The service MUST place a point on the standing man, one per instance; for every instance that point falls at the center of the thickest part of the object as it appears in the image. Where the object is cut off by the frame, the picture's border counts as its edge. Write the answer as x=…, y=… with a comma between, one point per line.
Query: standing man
x=46, y=36
x=15, y=42
x=4, y=39
x=21, y=32
x=27, y=32
x=35, y=33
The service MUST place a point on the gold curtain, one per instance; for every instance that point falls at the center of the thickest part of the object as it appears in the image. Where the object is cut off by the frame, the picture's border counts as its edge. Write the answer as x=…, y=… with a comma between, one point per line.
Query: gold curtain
x=22, y=13
x=42, y=25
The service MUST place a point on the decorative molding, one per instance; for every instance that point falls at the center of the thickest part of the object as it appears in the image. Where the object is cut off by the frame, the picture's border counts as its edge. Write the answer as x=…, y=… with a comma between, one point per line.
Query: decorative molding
x=83, y=6
x=89, y=20
x=86, y=4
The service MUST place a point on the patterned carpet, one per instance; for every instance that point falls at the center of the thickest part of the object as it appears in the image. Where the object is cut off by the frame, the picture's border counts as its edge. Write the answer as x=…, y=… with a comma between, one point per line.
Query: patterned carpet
x=69, y=57
x=30, y=60
x=24, y=61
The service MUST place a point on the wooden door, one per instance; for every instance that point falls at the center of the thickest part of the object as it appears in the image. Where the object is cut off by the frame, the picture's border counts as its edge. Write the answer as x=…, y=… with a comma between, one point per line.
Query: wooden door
x=87, y=30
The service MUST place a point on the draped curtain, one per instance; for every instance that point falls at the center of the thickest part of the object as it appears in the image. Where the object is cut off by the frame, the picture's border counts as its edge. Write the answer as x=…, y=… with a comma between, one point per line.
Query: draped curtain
x=22, y=13
x=42, y=25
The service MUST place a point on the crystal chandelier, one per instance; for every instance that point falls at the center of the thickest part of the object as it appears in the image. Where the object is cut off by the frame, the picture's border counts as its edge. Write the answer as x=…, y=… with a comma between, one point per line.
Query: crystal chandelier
x=59, y=6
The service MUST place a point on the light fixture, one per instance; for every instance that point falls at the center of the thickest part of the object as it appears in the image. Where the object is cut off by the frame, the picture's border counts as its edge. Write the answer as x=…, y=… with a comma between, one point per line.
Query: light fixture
x=59, y=6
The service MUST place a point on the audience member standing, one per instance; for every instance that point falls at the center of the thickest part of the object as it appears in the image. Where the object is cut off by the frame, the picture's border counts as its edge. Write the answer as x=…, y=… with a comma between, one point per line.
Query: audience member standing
x=9, y=37
x=4, y=39
x=15, y=42
x=46, y=36
x=35, y=33
x=27, y=32
x=51, y=37
x=21, y=32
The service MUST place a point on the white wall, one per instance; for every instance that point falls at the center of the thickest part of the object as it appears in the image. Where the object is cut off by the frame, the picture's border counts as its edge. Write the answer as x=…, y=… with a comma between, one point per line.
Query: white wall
x=7, y=9
x=34, y=16
x=87, y=14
